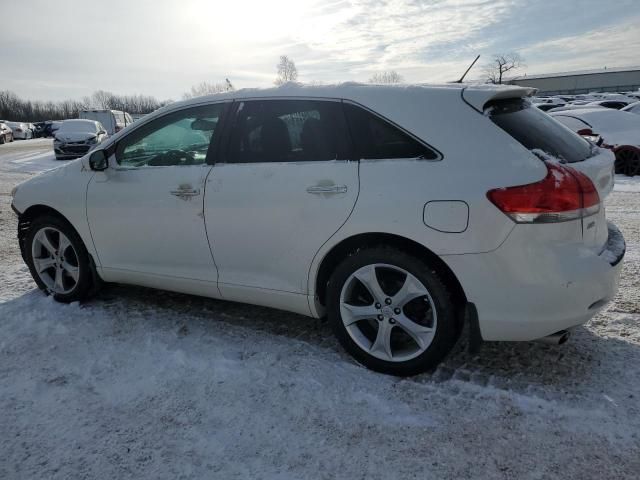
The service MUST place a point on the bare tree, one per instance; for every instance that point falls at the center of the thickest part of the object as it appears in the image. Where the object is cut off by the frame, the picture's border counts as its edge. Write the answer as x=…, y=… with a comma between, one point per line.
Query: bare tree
x=390, y=76
x=14, y=108
x=501, y=64
x=206, y=88
x=287, y=71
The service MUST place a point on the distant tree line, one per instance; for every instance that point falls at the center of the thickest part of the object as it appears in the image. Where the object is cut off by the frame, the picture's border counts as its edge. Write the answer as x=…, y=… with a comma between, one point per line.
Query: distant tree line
x=13, y=108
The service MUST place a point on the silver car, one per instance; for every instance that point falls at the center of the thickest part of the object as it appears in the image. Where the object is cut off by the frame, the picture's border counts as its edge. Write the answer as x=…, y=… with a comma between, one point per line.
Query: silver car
x=74, y=138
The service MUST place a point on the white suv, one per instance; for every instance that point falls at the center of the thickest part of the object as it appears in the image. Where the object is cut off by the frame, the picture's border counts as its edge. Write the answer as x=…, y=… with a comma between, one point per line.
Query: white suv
x=400, y=212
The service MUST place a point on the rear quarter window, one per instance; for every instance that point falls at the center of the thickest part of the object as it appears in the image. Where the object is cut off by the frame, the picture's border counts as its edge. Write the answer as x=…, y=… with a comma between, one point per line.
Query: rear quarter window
x=376, y=138
x=535, y=129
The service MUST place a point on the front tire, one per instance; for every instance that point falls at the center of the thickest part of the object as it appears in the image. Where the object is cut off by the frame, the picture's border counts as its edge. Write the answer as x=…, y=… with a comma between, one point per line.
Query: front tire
x=58, y=260
x=391, y=311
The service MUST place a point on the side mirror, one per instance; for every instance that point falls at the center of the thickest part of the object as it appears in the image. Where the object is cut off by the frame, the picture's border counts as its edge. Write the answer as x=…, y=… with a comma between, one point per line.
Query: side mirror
x=98, y=161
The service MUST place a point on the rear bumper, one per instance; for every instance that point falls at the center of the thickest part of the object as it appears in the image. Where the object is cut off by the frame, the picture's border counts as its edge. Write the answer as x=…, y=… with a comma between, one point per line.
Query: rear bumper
x=524, y=290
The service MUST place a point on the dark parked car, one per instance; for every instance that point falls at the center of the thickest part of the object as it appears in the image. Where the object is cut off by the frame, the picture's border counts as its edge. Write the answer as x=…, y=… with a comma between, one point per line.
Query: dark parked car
x=39, y=129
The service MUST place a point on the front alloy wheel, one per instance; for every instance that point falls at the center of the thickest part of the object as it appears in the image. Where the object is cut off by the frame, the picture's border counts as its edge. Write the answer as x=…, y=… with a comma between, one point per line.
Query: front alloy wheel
x=55, y=260
x=58, y=260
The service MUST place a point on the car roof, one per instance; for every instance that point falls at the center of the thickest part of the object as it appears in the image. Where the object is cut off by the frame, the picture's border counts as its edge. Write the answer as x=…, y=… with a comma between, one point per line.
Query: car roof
x=476, y=95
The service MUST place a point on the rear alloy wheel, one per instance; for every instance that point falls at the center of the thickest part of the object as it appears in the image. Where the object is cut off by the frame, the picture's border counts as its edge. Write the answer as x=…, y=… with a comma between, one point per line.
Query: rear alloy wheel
x=391, y=312
x=58, y=260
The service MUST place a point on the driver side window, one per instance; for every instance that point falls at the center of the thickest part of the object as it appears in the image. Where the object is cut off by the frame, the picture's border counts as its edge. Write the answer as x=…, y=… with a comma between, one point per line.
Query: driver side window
x=179, y=138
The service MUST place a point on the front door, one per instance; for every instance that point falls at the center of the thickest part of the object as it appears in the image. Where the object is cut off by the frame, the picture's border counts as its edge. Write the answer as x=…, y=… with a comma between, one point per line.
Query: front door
x=286, y=184
x=146, y=210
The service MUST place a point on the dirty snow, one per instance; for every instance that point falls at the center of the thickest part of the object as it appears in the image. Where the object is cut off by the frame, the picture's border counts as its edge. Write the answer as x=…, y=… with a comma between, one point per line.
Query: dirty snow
x=139, y=383
x=627, y=184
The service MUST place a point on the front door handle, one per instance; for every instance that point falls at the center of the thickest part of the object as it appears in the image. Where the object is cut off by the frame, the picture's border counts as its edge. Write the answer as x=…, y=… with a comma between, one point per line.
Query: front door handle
x=186, y=192
x=327, y=189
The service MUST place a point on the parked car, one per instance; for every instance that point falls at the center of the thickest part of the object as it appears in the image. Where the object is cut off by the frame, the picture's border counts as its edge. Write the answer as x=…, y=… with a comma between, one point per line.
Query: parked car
x=574, y=107
x=20, y=130
x=545, y=107
x=112, y=120
x=39, y=129
x=615, y=104
x=398, y=221
x=51, y=127
x=632, y=108
x=6, y=134
x=75, y=138
x=620, y=131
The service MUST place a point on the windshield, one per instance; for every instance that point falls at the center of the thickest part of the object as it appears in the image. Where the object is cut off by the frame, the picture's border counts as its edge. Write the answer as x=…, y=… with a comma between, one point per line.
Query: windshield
x=538, y=131
x=78, y=126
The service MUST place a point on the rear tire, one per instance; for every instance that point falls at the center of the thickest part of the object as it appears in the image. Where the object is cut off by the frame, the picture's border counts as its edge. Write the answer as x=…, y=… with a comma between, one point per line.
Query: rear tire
x=58, y=260
x=367, y=309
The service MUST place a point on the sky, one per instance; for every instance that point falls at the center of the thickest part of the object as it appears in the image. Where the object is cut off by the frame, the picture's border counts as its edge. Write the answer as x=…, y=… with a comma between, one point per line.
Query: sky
x=55, y=50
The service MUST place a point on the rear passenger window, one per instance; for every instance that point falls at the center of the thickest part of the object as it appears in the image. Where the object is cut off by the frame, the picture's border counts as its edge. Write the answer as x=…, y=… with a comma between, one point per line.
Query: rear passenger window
x=289, y=131
x=375, y=138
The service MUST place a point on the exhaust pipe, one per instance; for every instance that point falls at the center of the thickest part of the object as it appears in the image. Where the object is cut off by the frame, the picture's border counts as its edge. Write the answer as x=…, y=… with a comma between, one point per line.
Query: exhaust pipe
x=557, y=338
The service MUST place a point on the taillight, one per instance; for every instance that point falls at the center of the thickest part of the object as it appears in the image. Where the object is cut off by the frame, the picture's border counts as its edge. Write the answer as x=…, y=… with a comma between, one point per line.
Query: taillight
x=588, y=134
x=564, y=194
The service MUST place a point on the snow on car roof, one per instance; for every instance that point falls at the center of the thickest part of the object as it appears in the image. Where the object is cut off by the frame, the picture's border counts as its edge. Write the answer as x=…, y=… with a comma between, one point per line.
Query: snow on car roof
x=79, y=125
x=474, y=94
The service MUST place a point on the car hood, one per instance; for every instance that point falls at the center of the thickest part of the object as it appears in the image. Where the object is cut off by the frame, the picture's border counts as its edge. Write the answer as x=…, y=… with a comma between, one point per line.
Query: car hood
x=74, y=136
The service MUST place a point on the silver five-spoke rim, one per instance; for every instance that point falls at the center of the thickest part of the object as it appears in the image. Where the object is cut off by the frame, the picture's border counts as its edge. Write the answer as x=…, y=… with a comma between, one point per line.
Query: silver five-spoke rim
x=55, y=260
x=388, y=312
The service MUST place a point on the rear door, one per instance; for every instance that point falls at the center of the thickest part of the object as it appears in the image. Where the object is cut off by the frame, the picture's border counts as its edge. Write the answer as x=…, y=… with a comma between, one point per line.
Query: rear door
x=287, y=184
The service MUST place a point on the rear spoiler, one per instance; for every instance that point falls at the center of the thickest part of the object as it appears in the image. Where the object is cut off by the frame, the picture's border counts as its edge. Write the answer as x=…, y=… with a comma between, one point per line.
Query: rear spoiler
x=477, y=96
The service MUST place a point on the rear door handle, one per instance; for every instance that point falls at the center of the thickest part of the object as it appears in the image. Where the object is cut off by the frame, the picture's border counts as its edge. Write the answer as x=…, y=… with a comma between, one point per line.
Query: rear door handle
x=327, y=189
x=186, y=192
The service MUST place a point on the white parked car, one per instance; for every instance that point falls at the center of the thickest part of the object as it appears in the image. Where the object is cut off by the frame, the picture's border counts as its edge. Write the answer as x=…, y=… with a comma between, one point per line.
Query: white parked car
x=74, y=138
x=615, y=104
x=20, y=130
x=574, y=107
x=618, y=130
x=399, y=212
x=632, y=108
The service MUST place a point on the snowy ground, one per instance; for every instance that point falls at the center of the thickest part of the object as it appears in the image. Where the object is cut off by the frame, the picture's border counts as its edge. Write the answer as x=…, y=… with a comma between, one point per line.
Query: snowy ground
x=146, y=384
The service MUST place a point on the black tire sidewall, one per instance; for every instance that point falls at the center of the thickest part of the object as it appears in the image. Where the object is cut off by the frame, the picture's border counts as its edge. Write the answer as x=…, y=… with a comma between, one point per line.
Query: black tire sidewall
x=447, y=330
x=83, y=286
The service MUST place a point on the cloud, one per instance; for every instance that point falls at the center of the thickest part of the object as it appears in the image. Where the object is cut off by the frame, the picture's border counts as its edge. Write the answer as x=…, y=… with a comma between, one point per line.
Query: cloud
x=67, y=48
x=614, y=45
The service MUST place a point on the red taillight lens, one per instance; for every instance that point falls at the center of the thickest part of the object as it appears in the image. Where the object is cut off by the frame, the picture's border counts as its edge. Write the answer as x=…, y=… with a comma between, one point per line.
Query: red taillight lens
x=564, y=194
x=586, y=131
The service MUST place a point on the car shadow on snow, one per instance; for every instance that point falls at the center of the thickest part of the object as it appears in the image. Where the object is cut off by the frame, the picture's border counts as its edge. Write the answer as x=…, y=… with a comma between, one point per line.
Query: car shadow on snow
x=528, y=368
x=524, y=367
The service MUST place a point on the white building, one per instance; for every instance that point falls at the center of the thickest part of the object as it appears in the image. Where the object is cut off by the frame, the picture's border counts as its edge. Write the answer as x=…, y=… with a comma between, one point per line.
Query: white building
x=582, y=81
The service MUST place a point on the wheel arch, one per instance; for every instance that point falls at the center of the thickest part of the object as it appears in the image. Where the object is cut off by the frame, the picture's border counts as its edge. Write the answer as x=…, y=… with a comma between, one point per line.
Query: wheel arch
x=33, y=212
x=351, y=245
